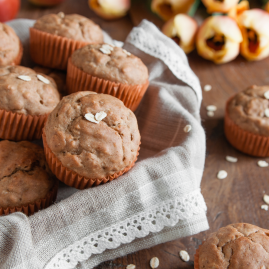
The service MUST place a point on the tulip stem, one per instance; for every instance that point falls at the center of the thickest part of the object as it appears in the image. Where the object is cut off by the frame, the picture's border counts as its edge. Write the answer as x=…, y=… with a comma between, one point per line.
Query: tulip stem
x=194, y=7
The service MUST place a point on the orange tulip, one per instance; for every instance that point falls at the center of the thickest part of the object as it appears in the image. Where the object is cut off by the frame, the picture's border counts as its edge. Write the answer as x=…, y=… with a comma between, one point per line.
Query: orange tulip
x=237, y=10
x=254, y=25
x=223, y=6
x=167, y=9
x=182, y=29
x=110, y=9
x=219, y=39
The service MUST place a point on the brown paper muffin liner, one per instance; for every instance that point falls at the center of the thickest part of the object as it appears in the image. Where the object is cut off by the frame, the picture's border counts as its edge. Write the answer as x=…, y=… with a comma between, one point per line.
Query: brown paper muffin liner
x=78, y=80
x=17, y=60
x=247, y=142
x=196, y=258
x=18, y=127
x=72, y=178
x=31, y=208
x=51, y=50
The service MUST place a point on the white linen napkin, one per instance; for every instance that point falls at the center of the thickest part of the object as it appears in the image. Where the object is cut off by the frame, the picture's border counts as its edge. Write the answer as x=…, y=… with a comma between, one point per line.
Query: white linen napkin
x=159, y=200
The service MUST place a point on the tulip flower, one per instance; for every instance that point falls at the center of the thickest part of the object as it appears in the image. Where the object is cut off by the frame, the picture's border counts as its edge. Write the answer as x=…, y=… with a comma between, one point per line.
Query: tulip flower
x=110, y=9
x=167, y=9
x=254, y=25
x=219, y=39
x=237, y=10
x=266, y=8
x=182, y=29
x=223, y=6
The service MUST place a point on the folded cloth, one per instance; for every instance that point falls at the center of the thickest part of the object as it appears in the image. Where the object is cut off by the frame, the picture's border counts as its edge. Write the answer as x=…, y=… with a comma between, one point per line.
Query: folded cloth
x=157, y=201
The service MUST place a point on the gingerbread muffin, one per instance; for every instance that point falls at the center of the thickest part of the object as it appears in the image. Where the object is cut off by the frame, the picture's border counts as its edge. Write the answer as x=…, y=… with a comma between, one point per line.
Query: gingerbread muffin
x=90, y=139
x=247, y=121
x=103, y=68
x=26, y=99
x=236, y=246
x=10, y=46
x=26, y=183
x=53, y=38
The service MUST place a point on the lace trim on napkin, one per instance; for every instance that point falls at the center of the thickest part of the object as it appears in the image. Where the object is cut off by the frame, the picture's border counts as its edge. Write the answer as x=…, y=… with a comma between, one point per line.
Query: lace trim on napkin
x=157, y=47
x=153, y=220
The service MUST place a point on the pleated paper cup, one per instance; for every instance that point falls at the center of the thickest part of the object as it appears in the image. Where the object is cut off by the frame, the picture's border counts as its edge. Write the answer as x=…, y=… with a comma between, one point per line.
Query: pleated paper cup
x=78, y=80
x=196, y=259
x=31, y=208
x=18, y=127
x=246, y=142
x=51, y=50
x=73, y=179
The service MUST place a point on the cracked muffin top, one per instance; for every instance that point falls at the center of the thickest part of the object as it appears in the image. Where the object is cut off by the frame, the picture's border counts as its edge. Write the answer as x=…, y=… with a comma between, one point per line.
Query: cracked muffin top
x=94, y=135
x=71, y=26
x=23, y=91
x=250, y=110
x=236, y=246
x=9, y=45
x=24, y=174
x=110, y=63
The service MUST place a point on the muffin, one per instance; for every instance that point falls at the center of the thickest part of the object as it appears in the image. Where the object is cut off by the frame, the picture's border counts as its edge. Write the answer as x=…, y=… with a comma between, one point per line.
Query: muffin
x=26, y=184
x=10, y=46
x=235, y=246
x=90, y=139
x=26, y=99
x=103, y=68
x=247, y=121
x=53, y=38
x=58, y=76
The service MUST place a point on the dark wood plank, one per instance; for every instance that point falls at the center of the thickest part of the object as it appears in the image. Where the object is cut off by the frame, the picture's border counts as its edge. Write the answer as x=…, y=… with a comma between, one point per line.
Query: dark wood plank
x=235, y=199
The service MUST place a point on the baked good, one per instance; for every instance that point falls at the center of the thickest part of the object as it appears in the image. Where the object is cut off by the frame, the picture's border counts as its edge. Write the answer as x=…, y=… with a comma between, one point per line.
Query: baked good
x=58, y=76
x=95, y=151
x=53, y=38
x=247, y=121
x=104, y=68
x=26, y=98
x=235, y=246
x=10, y=46
x=26, y=183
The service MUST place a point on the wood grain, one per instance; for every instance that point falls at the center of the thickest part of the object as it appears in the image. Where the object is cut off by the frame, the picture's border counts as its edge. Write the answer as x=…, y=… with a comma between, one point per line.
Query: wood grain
x=235, y=199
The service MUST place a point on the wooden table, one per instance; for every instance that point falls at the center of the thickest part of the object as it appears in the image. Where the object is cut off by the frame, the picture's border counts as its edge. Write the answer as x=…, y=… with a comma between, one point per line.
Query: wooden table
x=238, y=198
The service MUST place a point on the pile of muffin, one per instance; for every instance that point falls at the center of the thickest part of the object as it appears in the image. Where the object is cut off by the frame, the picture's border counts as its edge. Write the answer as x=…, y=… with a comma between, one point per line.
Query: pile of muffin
x=90, y=136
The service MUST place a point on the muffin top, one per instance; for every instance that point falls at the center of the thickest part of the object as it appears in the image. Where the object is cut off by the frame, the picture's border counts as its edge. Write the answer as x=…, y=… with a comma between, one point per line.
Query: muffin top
x=71, y=26
x=236, y=246
x=110, y=63
x=93, y=149
x=24, y=174
x=249, y=110
x=23, y=91
x=9, y=45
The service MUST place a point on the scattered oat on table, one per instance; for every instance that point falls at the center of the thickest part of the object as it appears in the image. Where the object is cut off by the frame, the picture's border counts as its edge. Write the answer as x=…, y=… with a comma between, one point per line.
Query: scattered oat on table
x=210, y=114
x=187, y=128
x=154, y=262
x=130, y=266
x=231, y=159
x=211, y=108
x=222, y=174
x=207, y=88
x=264, y=207
x=266, y=198
x=184, y=255
x=263, y=164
